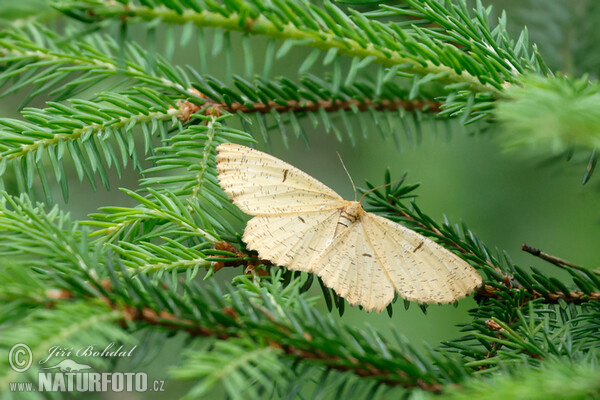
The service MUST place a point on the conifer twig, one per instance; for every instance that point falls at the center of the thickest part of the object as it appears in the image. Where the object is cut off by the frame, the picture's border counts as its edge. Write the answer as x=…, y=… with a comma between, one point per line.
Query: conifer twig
x=574, y=297
x=232, y=325
x=215, y=108
x=314, y=35
x=559, y=262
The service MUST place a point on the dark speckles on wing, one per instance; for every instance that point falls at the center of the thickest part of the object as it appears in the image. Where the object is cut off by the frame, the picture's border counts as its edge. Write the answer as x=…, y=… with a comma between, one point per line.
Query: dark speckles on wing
x=418, y=247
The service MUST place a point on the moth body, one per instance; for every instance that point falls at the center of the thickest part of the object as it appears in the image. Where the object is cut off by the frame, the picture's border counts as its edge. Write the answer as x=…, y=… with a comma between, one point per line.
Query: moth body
x=349, y=214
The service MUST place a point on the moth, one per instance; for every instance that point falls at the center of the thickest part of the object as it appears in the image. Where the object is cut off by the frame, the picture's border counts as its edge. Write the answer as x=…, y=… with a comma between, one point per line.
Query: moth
x=304, y=225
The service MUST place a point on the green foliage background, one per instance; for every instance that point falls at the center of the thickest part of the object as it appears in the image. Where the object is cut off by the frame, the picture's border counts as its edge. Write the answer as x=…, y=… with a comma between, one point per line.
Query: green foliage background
x=505, y=195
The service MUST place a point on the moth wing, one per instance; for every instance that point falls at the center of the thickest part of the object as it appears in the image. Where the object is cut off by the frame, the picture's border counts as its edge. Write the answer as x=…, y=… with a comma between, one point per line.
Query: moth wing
x=293, y=240
x=260, y=184
x=418, y=268
x=351, y=268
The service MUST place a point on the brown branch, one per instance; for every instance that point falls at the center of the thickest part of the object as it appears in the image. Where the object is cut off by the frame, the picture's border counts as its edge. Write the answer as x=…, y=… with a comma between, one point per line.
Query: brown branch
x=230, y=324
x=575, y=297
x=210, y=107
x=245, y=260
x=494, y=327
x=559, y=262
x=335, y=105
x=310, y=352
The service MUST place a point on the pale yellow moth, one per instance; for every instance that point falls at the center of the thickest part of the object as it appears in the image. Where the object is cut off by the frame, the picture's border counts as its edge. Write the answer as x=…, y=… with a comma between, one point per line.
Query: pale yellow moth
x=304, y=225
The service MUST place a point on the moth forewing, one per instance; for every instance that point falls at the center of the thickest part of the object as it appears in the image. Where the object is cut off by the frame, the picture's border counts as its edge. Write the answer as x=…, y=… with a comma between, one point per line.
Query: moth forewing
x=420, y=269
x=260, y=184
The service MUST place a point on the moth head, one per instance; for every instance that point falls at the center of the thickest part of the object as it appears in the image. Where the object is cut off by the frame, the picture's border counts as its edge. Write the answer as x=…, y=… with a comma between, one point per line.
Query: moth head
x=353, y=208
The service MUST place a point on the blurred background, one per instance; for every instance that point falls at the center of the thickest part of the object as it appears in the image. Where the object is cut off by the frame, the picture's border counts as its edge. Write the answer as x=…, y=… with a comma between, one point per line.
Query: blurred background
x=506, y=198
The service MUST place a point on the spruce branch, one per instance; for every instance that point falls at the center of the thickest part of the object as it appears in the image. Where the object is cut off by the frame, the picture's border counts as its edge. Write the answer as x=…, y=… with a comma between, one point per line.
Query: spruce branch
x=567, y=380
x=303, y=335
x=532, y=332
x=188, y=197
x=39, y=237
x=255, y=311
x=62, y=128
x=551, y=297
x=301, y=107
x=474, y=62
x=492, y=57
x=553, y=116
x=76, y=128
x=54, y=62
x=45, y=328
x=142, y=268
x=91, y=133
x=231, y=363
x=349, y=36
x=301, y=349
x=39, y=56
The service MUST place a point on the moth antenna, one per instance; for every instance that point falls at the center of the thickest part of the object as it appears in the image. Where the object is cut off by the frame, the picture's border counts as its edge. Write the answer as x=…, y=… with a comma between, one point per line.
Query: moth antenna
x=376, y=188
x=348, y=173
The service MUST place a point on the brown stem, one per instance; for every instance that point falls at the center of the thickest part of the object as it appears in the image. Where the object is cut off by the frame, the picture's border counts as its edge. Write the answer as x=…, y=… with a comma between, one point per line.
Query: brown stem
x=335, y=105
x=228, y=328
x=559, y=262
x=245, y=260
x=575, y=297
x=306, y=350
x=214, y=108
